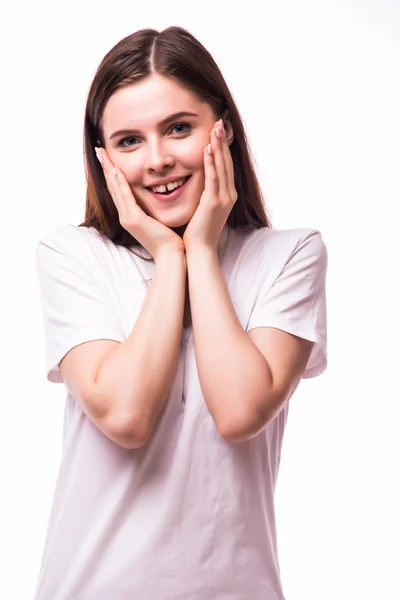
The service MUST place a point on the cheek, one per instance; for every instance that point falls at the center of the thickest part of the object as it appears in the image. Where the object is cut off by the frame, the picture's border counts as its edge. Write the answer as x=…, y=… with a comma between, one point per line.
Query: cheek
x=194, y=152
x=132, y=169
x=189, y=152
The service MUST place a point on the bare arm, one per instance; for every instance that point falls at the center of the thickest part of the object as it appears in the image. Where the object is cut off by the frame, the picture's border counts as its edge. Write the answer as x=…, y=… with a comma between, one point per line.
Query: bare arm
x=132, y=383
x=245, y=377
x=123, y=386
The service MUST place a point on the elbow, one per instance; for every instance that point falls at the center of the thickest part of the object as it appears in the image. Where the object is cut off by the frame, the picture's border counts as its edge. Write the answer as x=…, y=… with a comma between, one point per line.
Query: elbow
x=250, y=423
x=131, y=441
x=128, y=433
x=244, y=429
x=239, y=434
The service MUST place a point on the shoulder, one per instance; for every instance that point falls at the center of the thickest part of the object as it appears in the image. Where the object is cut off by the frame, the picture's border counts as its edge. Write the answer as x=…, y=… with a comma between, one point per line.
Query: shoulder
x=282, y=237
x=278, y=244
x=67, y=233
x=302, y=245
x=84, y=251
x=71, y=240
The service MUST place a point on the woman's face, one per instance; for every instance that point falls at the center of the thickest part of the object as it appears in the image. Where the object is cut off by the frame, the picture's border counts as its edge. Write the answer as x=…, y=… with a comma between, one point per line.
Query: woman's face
x=151, y=148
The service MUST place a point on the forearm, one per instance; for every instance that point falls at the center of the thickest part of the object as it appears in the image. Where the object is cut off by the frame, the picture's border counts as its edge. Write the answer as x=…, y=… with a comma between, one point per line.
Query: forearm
x=232, y=371
x=138, y=375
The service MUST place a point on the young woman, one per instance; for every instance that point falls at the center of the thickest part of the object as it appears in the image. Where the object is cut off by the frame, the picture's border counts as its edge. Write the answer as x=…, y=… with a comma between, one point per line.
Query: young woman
x=181, y=323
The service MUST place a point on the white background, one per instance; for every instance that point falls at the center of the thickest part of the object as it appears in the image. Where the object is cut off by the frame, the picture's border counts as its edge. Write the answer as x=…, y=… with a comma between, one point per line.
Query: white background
x=318, y=86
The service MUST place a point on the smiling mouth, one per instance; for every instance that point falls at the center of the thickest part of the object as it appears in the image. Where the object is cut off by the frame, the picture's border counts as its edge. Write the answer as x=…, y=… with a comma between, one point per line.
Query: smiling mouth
x=167, y=192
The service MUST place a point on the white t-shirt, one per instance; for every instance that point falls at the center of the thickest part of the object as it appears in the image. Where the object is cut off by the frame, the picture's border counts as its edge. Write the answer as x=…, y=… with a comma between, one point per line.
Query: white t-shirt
x=187, y=516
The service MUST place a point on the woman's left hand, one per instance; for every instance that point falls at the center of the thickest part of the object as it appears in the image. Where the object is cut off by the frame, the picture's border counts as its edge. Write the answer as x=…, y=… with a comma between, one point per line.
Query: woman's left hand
x=219, y=196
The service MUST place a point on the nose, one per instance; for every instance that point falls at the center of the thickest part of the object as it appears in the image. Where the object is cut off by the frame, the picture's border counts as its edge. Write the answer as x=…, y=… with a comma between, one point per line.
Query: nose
x=158, y=156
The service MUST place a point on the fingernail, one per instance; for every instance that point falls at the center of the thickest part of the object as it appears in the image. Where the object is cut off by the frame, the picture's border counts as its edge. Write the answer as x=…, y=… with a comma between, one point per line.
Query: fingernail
x=99, y=156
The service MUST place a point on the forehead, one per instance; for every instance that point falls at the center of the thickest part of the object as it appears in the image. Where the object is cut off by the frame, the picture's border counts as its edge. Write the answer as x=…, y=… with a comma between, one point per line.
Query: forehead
x=142, y=105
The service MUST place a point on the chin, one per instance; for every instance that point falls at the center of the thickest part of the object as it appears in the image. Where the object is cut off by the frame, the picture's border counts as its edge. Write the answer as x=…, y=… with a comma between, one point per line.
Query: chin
x=175, y=223
x=172, y=218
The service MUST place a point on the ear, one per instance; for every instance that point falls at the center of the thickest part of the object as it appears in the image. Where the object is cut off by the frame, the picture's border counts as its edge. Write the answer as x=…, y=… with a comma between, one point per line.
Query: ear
x=228, y=128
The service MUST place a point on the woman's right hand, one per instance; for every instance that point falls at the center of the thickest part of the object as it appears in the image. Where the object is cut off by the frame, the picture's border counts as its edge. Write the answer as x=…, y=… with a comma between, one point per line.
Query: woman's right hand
x=155, y=237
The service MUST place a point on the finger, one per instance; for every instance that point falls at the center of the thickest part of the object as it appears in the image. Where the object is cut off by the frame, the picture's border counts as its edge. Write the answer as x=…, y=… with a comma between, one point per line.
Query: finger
x=219, y=162
x=119, y=184
x=110, y=177
x=211, y=183
x=125, y=192
x=228, y=165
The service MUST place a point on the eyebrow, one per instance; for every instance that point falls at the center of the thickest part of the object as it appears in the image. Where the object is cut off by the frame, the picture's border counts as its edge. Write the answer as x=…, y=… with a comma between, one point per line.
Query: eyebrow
x=178, y=115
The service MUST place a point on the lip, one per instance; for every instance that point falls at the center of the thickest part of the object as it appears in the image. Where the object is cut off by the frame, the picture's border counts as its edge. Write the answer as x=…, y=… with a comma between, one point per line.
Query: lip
x=167, y=180
x=175, y=194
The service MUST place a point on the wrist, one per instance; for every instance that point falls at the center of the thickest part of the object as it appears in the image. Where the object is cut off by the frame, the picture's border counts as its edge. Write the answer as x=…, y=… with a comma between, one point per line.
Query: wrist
x=201, y=256
x=171, y=255
x=200, y=251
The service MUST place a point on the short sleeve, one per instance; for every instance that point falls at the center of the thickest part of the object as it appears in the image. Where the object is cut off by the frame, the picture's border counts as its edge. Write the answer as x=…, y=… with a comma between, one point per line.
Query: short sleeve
x=296, y=301
x=74, y=308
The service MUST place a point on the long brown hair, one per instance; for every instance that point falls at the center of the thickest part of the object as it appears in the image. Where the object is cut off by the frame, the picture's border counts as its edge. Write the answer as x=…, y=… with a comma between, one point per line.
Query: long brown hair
x=174, y=53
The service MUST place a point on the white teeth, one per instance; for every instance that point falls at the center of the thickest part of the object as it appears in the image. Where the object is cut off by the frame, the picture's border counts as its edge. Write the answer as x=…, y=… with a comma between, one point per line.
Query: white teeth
x=170, y=186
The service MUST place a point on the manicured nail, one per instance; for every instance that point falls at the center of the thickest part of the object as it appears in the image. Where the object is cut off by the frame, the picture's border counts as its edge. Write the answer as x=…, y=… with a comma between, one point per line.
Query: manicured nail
x=220, y=131
x=99, y=156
